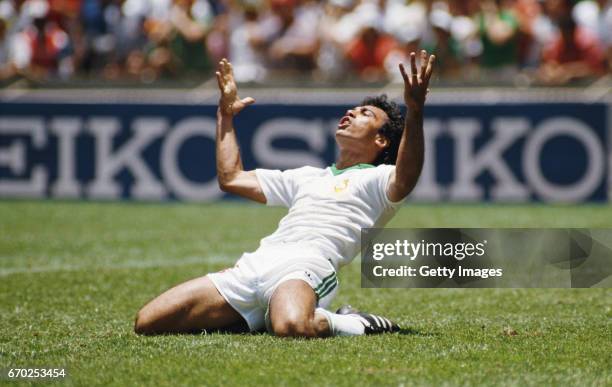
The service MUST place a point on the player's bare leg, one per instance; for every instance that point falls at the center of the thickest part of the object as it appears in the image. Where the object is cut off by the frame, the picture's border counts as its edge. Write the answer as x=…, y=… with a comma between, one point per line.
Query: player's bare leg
x=192, y=306
x=292, y=311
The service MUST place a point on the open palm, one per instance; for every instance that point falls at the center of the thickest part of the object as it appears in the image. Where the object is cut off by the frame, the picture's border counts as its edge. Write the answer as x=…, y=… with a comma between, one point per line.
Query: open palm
x=229, y=102
x=416, y=85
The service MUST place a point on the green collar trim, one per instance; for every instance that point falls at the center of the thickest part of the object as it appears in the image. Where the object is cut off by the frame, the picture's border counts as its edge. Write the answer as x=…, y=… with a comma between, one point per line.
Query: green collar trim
x=336, y=171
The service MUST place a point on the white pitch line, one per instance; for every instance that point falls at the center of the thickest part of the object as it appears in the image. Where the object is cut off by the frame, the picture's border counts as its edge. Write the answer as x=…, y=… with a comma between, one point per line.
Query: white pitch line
x=129, y=264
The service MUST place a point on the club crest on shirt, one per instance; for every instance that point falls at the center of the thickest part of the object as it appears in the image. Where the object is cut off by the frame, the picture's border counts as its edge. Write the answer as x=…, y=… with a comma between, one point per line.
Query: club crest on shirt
x=342, y=186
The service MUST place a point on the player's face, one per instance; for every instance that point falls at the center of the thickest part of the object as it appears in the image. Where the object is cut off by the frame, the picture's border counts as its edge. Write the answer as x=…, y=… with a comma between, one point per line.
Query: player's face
x=358, y=130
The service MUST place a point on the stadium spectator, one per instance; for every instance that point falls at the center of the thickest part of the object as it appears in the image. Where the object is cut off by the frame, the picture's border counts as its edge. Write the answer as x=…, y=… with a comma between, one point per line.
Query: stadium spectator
x=294, y=35
x=246, y=43
x=368, y=51
x=337, y=29
x=97, y=43
x=464, y=30
x=575, y=53
x=48, y=44
x=498, y=29
x=15, y=51
x=596, y=16
x=189, y=23
x=330, y=41
x=443, y=44
x=407, y=24
x=536, y=32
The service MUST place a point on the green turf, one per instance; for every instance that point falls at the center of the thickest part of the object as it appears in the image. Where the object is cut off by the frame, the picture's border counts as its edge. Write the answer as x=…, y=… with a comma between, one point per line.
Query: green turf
x=72, y=276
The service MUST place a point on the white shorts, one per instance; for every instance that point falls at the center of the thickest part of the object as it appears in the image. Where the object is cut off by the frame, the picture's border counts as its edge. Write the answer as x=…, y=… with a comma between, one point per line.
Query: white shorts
x=248, y=286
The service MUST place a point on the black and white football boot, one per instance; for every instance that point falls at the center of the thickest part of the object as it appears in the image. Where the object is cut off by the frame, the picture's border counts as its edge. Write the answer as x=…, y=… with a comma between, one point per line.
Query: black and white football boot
x=373, y=324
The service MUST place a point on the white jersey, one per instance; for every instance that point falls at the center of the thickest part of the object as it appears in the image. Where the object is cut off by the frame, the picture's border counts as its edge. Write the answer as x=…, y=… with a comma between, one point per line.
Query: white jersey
x=328, y=207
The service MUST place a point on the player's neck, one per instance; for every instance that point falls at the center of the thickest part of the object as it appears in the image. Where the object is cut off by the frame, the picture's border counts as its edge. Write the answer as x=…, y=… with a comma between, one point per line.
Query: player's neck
x=348, y=159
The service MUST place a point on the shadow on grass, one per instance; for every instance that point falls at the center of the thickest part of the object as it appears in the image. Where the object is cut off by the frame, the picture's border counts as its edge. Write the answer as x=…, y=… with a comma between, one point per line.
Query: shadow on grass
x=403, y=332
x=241, y=330
x=415, y=332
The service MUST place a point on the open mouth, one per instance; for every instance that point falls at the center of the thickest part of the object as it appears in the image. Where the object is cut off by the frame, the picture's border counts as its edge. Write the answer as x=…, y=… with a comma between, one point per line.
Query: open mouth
x=344, y=123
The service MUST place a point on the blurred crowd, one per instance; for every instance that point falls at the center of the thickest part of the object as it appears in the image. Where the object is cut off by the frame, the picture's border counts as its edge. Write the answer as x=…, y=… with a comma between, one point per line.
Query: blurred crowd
x=517, y=41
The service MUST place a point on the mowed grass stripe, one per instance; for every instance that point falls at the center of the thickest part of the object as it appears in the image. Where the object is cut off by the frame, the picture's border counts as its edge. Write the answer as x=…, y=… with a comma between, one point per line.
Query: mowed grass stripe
x=84, y=319
x=128, y=264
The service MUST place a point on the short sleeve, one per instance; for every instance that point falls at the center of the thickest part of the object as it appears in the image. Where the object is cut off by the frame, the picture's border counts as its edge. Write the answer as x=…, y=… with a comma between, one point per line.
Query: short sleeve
x=278, y=187
x=383, y=175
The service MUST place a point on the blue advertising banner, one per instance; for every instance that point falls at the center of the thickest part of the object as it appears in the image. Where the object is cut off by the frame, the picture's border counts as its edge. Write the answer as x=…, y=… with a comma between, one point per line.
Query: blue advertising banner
x=550, y=152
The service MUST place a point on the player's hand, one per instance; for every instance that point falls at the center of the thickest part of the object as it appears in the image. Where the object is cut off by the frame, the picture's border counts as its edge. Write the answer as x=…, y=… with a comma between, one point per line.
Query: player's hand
x=229, y=103
x=416, y=85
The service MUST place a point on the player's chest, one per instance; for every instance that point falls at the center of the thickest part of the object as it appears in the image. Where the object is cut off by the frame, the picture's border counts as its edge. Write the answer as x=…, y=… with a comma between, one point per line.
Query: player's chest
x=340, y=187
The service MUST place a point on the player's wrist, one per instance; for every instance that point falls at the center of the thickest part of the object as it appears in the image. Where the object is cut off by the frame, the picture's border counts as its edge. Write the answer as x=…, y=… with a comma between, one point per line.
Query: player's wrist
x=225, y=111
x=415, y=107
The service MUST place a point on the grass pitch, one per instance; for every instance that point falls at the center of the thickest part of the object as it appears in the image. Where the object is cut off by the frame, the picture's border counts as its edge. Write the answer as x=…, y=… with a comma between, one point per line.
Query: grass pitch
x=73, y=275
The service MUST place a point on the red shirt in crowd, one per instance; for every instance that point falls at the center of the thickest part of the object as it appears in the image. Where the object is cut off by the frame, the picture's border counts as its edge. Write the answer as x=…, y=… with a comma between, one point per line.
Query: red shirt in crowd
x=585, y=48
x=46, y=48
x=365, y=57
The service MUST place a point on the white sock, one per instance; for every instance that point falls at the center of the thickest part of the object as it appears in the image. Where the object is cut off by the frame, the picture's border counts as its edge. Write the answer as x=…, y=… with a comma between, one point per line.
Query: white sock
x=342, y=324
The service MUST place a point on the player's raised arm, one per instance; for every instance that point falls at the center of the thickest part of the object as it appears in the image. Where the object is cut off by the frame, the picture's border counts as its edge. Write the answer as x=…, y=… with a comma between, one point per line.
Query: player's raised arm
x=230, y=172
x=410, y=156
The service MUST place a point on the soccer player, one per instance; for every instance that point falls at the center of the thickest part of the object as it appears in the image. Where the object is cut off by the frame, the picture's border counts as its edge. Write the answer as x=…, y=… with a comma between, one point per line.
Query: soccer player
x=286, y=284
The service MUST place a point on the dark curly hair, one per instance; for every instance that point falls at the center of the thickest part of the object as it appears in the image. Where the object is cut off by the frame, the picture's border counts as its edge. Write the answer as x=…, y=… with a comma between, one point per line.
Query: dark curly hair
x=392, y=129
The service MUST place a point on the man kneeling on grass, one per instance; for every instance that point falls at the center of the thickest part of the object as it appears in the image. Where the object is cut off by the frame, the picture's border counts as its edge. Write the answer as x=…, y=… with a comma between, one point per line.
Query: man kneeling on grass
x=286, y=284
